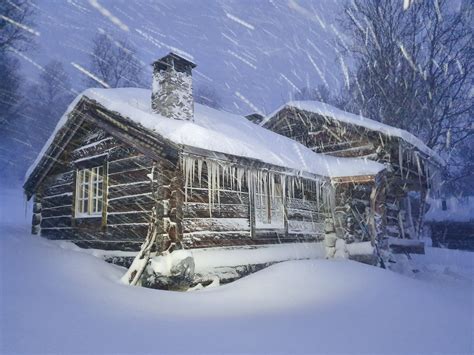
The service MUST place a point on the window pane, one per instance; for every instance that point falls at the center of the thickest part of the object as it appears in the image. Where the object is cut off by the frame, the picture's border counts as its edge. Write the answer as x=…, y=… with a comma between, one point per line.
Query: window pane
x=89, y=186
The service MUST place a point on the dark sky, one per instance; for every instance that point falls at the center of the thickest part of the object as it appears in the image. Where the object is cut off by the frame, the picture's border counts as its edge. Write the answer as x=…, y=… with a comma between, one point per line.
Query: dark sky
x=255, y=53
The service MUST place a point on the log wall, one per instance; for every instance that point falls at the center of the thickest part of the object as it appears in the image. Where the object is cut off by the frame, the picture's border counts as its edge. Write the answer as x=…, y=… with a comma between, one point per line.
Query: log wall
x=231, y=219
x=127, y=209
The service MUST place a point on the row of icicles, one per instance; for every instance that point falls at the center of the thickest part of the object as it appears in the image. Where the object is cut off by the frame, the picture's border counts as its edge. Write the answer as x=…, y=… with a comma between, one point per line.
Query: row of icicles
x=222, y=175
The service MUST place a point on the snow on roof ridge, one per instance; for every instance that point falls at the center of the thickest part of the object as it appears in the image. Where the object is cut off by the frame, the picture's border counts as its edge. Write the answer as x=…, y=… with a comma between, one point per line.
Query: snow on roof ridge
x=219, y=131
x=325, y=109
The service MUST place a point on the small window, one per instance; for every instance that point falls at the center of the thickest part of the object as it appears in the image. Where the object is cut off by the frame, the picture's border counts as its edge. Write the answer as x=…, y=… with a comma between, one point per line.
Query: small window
x=269, y=210
x=89, y=192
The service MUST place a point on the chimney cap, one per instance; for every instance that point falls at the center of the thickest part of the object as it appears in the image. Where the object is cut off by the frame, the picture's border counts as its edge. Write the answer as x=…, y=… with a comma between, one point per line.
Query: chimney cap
x=173, y=59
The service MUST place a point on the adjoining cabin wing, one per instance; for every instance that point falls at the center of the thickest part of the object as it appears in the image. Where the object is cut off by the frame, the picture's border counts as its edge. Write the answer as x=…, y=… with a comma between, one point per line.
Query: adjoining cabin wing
x=412, y=167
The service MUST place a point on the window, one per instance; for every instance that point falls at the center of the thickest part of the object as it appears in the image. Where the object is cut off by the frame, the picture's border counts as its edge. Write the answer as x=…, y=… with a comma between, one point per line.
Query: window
x=269, y=210
x=89, y=192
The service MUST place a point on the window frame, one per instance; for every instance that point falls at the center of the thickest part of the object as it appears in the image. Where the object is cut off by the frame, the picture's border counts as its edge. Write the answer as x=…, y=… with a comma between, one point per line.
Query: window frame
x=89, y=196
x=263, y=201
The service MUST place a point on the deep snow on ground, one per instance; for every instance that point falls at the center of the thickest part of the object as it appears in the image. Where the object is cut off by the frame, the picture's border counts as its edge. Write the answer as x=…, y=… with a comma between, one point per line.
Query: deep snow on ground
x=55, y=300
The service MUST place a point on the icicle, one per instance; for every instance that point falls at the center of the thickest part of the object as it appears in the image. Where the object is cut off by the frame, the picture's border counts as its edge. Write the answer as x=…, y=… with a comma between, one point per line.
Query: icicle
x=318, y=194
x=283, y=187
x=240, y=176
x=199, y=171
x=400, y=158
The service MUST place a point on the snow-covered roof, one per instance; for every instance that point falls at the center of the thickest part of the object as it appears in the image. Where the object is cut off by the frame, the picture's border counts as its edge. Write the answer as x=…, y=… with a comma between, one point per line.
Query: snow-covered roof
x=327, y=110
x=220, y=131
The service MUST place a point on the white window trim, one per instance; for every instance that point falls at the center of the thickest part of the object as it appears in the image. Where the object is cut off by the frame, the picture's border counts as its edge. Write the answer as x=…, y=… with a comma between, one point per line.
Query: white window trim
x=89, y=193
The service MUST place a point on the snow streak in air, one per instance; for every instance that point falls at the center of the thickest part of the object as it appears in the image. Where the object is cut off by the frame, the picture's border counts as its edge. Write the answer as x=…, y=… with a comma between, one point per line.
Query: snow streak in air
x=240, y=21
x=247, y=101
x=19, y=25
x=115, y=20
x=290, y=82
x=160, y=44
x=241, y=58
x=28, y=59
x=89, y=74
x=320, y=73
x=292, y=4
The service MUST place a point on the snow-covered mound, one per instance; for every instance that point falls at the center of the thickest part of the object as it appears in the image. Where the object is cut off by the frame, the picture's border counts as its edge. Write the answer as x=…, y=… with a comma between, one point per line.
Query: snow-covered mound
x=327, y=110
x=222, y=132
x=62, y=301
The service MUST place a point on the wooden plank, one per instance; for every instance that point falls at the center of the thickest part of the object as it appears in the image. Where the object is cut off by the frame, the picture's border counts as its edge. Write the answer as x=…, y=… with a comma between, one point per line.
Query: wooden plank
x=125, y=177
x=57, y=200
x=226, y=197
x=130, y=205
x=105, y=145
x=298, y=227
x=305, y=215
x=56, y=222
x=57, y=189
x=128, y=217
x=129, y=163
x=58, y=179
x=57, y=211
x=129, y=189
x=353, y=179
x=215, y=224
x=201, y=210
x=300, y=204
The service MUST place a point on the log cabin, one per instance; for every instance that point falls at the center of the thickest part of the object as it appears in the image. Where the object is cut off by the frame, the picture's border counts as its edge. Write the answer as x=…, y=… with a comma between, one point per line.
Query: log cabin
x=412, y=169
x=120, y=160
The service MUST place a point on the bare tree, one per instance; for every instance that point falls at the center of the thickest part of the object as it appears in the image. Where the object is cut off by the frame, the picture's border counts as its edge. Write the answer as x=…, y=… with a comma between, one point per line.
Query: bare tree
x=14, y=16
x=16, y=22
x=16, y=35
x=208, y=96
x=320, y=93
x=115, y=63
x=414, y=67
x=48, y=98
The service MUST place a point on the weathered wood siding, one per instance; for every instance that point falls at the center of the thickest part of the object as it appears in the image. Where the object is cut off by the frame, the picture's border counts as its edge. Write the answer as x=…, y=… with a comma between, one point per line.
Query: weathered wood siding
x=332, y=137
x=231, y=221
x=127, y=208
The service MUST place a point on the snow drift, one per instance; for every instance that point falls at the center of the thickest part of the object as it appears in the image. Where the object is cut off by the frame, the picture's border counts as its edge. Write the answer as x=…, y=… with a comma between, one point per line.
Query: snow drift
x=62, y=301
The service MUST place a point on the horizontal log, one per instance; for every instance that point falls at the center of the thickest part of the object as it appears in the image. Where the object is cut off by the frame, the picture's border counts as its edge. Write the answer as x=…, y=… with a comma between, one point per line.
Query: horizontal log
x=95, y=148
x=300, y=204
x=132, y=199
x=93, y=223
x=56, y=222
x=58, y=179
x=59, y=211
x=129, y=163
x=305, y=215
x=128, y=205
x=202, y=210
x=125, y=177
x=298, y=227
x=226, y=197
x=129, y=190
x=57, y=200
x=57, y=189
x=215, y=224
x=128, y=217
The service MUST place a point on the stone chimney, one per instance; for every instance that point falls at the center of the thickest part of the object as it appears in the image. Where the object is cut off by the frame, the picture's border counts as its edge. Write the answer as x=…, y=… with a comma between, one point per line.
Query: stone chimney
x=172, y=93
